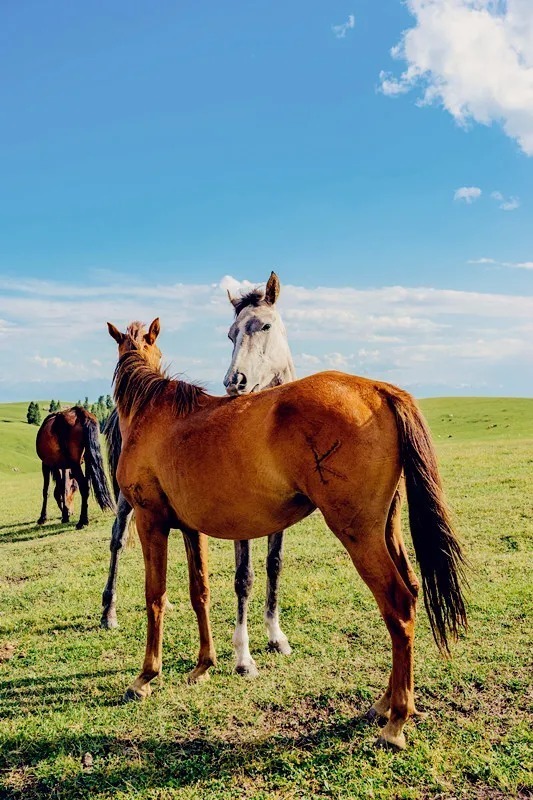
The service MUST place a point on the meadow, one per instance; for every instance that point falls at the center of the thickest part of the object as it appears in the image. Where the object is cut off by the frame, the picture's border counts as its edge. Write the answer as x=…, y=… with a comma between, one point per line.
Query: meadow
x=298, y=730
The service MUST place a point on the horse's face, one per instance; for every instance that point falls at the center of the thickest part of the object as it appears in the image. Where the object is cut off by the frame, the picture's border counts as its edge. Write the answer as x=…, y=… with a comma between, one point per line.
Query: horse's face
x=137, y=338
x=261, y=355
x=71, y=487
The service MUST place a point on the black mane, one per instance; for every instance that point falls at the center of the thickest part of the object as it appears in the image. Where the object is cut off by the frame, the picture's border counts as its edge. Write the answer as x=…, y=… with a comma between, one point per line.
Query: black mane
x=253, y=298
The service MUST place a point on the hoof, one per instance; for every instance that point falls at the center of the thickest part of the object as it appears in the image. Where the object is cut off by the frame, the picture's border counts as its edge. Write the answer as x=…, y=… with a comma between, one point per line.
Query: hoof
x=41, y=520
x=81, y=525
x=281, y=646
x=247, y=670
x=109, y=622
x=198, y=675
x=132, y=694
x=389, y=742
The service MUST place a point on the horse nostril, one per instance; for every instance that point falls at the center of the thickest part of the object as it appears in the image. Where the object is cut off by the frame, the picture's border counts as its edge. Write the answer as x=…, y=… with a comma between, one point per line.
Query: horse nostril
x=240, y=380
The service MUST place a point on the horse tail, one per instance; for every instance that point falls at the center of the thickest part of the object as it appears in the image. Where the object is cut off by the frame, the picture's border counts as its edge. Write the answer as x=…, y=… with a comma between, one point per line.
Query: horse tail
x=113, y=439
x=94, y=465
x=437, y=549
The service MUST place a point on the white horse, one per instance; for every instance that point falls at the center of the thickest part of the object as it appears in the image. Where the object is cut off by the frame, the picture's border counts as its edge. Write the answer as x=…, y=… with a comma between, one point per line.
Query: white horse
x=261, y=359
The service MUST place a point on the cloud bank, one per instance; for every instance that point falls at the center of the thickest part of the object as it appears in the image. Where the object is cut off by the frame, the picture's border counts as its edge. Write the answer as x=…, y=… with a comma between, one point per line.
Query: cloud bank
x=431, y=341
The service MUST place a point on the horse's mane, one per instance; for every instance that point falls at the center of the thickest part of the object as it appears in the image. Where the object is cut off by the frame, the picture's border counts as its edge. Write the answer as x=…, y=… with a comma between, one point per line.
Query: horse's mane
x=137, y=384
x=253, y=298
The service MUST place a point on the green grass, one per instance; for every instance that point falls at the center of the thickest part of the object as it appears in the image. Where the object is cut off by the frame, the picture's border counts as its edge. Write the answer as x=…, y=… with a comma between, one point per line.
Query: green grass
x=297, y=731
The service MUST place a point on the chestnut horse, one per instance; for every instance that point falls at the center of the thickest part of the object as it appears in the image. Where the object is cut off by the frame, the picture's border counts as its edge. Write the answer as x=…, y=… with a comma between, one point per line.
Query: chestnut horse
x=255, y=464
x=258, y=329
x=64, y=440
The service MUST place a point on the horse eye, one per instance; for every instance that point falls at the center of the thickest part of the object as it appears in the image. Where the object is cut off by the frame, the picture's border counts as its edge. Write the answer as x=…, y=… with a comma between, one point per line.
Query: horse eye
x=266, y=327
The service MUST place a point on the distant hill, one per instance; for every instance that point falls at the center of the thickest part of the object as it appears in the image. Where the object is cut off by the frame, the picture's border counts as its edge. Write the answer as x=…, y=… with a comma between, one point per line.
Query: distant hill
x=457, y=418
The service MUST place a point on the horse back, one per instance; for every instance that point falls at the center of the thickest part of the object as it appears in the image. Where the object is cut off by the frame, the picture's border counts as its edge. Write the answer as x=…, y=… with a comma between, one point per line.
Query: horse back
x=59, y=441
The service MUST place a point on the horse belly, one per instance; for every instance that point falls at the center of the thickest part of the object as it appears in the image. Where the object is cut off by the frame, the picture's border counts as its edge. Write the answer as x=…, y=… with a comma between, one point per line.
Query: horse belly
x=230, y=502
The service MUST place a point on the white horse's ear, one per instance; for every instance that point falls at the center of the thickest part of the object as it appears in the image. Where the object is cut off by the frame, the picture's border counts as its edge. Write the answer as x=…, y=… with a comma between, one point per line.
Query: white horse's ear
x=233, y=300
x=272, y=289
x=153, y=331
x=115, y=333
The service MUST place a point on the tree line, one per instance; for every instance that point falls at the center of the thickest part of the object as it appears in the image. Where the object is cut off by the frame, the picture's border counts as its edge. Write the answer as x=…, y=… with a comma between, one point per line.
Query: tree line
x=101, y=409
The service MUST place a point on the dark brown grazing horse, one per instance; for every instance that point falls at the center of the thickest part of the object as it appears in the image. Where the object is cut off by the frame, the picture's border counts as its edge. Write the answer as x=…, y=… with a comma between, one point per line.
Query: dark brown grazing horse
x=258, y=463
x=64, y=441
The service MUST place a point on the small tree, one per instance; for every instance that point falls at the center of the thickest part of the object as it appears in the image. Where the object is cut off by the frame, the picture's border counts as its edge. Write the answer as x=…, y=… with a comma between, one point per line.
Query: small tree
x=86, y=404
x=109, y=403
x=33, y=414
x=55, y=405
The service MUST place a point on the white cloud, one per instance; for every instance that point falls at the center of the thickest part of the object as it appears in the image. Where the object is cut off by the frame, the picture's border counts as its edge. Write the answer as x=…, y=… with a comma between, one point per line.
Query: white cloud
x=467, y=193
x=341, y=30
x=506, y=204
x=511, y=264
x=520, y=265
x=53, y=361
x=473, y=57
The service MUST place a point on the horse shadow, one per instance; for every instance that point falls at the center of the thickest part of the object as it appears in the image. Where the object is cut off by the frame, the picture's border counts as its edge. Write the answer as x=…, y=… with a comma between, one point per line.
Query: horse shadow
x=180, y=761
x=29, y=531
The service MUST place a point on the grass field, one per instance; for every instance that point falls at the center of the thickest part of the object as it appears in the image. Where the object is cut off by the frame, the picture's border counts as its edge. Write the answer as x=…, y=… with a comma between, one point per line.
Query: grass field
x=297, y=730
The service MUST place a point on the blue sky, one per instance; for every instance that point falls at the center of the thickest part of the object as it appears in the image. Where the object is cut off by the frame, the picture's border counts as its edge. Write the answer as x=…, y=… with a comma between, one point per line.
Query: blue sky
x=153, y=146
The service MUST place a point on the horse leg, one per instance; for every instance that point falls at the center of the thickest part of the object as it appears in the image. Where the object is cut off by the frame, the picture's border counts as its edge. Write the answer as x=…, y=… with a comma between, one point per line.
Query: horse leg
x=46, y=483
x=397, y=605
x=276, y=638
x=154, y=540
x=65, y=514
x=119, y=537
x=244, y=578
x=196, y=549
x=83, y=486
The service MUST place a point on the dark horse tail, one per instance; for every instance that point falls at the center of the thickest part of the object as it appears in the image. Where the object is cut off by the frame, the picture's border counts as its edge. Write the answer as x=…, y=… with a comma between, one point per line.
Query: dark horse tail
x=437, y=549
x=94, y=466
x=113, y=439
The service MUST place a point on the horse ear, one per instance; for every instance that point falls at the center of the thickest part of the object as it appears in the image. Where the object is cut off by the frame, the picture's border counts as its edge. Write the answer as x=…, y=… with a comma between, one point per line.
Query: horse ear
x=153, y=331
x=233, y=300
x=272, y=289
x=115, y=333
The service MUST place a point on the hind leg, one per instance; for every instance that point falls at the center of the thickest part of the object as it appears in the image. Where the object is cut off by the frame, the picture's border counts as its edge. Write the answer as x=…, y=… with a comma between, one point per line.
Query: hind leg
x=371, y=558
x=46, y=483
x=83, y=486
x=276, y=638
x=244, y=578
x=60, y=494
x=119, y=537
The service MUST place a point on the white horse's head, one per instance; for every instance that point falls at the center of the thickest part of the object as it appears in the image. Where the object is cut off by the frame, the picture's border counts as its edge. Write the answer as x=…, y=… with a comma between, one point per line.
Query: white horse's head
x=261, y=355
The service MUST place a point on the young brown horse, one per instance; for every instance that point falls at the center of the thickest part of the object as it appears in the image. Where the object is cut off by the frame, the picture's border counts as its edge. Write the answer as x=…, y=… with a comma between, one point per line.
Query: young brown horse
x=255, y=464
x=64, y=440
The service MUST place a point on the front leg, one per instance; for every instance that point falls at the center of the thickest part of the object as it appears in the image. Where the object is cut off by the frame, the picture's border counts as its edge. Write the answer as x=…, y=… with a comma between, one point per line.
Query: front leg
x=244, y=578
x=153, y=533
x=276, y=638
x=119, y=537
x=46, y=483
x=196, y=549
